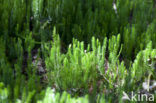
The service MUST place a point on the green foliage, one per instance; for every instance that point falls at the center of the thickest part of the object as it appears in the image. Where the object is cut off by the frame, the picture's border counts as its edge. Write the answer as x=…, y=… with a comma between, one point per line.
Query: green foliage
x=97, y=50
x=52, y=97
x=3, y=94
x=79, y=69
x=79, y=64
x=144, y=63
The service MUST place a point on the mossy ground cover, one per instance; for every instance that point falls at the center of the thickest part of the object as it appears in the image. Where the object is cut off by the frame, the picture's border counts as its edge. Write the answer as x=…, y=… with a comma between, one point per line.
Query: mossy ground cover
x=77, y=51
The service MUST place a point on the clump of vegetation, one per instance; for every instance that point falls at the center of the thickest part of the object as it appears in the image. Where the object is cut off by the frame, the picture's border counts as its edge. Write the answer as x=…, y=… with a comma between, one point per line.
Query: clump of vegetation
x=69, y=51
